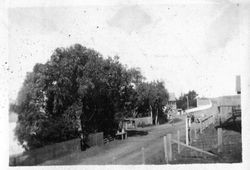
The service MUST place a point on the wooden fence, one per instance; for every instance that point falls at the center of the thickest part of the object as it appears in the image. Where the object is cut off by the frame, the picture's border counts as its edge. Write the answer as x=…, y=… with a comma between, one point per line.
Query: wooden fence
x=227, y=111
x=192, y=130
x=211, y=116
x=198, y=128
x=138, y=122
x=48, y=152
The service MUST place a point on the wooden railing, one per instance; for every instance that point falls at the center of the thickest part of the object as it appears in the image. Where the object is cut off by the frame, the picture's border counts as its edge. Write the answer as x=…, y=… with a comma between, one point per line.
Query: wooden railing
x=228, y=111
x=198, y=126
x=168, y=151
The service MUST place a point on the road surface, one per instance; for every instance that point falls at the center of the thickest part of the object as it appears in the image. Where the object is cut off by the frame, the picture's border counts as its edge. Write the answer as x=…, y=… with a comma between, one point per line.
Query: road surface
x=125, y=152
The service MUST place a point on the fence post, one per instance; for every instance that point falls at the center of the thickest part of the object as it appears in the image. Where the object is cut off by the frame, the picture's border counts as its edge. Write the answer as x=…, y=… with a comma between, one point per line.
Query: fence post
x=178, y=138
x=220, y=121
x=143, y=155
x=187, y=143
x=219, y=132
x=189, y=130
x=165, y=148
x=169, y=146
x=190, y=134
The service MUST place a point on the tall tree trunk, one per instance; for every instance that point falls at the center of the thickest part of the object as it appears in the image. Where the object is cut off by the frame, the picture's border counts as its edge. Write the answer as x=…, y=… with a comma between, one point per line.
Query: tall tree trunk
x=156, y=117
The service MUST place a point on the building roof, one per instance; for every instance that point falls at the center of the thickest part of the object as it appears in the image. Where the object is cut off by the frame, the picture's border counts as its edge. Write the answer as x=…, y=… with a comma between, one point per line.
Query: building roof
x=171, y=97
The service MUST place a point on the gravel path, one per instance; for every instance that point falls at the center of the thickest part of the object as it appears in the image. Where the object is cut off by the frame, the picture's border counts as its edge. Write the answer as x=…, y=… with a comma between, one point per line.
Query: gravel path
x=123, y=152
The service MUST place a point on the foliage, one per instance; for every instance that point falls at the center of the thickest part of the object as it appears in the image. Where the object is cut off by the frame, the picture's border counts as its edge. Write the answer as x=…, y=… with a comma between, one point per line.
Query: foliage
x=77, y=89
x=151, y=97
x=182, y=101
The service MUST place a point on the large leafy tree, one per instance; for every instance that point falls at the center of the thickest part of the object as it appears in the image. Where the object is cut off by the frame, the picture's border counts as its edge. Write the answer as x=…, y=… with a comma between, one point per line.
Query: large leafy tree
x=76, y=89
x=152, y=97
x=182, y=101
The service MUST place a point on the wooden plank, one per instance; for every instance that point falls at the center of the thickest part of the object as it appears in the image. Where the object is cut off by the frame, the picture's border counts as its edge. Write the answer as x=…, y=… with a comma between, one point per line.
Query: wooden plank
x=143, y=155
x=194, y=148
x=178, y=138
x=219, y=132
x=169, y=147
x=206, y=118
x=165, y=148
x=187, y=131
x=228, y=106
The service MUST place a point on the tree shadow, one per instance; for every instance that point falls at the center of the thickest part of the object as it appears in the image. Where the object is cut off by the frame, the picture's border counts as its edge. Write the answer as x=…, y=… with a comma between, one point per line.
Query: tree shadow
x=131, y=133
x=231, y=125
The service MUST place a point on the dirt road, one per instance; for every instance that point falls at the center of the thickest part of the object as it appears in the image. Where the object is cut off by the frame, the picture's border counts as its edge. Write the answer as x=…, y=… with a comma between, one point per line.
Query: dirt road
x=127, y=151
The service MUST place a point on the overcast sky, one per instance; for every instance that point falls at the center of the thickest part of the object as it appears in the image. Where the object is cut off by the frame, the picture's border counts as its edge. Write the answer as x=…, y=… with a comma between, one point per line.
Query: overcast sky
x=188, y=46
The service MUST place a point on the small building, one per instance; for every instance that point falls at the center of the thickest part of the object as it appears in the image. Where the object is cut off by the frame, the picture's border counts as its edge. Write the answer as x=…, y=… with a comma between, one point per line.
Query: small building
x=172, y=101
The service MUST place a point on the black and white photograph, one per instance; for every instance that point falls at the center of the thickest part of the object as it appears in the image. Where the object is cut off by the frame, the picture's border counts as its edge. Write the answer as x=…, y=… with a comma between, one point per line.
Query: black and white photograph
x=127, y=83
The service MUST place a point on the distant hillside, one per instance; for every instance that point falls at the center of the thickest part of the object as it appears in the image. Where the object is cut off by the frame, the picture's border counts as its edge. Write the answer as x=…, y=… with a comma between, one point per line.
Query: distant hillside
x=202, y=101
x=228, y=100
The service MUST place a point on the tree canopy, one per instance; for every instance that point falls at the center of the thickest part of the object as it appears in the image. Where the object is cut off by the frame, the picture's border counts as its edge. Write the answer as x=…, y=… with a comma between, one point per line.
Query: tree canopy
x=182, y=101
x=79, y=89
x=152, y=97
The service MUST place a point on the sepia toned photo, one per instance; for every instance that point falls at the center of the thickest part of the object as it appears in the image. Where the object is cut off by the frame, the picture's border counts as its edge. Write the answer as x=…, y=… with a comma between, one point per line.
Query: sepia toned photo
x=126, y=83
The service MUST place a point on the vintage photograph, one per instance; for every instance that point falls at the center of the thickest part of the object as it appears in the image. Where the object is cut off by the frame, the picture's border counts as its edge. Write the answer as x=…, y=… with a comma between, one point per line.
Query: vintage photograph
x=126, y=83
